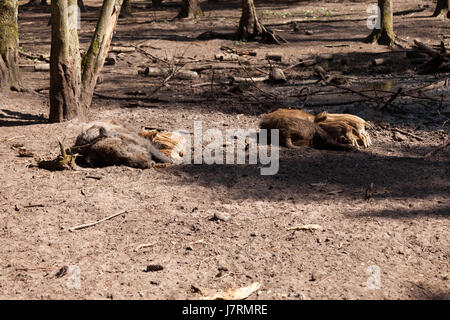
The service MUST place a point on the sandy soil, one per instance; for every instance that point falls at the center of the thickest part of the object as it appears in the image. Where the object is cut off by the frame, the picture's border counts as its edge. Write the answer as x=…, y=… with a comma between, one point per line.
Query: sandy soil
x=402, y=228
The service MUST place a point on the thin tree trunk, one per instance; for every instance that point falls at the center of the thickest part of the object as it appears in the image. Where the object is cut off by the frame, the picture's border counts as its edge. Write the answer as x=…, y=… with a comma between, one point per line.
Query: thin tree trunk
x=190, y=9
x=156, y=4
x=95, y=57
x=385, y=35
x=65, y=76
x=32, y=3
x=81, y=6
x=126, y=10
x=250, y=27
x=9, y=44
x=442, y=8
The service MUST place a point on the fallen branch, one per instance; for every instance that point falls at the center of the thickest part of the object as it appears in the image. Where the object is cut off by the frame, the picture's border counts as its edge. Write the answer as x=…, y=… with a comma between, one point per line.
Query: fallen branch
x=429, y=154
x=408, y=134
x=250, y=79
x=83, y=226
x=441, y=83
x=428, y=50
x=145, y=245
x=30, y=56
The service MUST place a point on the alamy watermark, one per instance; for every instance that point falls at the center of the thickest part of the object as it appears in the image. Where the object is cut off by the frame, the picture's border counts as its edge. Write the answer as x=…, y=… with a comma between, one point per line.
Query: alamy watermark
x=374, y=21
x=73, y=18
x=374, y=279
x=232, y=148
x=74, y=277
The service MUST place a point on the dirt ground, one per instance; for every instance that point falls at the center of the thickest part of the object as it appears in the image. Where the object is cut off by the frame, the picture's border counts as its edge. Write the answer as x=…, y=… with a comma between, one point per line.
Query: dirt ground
x=403, y=227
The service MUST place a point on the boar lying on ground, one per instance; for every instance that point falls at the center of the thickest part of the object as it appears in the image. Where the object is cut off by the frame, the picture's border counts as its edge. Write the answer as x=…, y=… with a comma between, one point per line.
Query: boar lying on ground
x=107, y=143
x=357, y=124
x=342, y=128
x=296, y=132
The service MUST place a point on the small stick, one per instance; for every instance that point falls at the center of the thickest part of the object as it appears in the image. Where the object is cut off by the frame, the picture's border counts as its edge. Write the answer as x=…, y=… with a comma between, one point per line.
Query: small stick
x=10, y=139
x=82, y=226
x=145, y=245
x=408, y=134
x=93, y=177
x=34, y=206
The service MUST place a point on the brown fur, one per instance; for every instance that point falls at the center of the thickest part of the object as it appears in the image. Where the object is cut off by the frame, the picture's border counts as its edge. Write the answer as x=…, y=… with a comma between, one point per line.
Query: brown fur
x=106, y=143
x=293, y=113
x=358, y=125
x=296, y=132
x=340, y=131
x=171, y=144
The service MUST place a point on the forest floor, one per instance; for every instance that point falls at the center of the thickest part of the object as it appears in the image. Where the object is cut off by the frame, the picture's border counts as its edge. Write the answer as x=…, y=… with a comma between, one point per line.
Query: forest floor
x=402, y=227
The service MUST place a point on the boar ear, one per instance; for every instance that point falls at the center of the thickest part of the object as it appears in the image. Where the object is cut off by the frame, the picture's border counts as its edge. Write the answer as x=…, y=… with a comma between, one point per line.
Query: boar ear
x=321, y=116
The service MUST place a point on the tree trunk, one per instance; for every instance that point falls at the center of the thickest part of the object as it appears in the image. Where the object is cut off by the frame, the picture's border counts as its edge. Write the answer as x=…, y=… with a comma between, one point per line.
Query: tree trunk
x=250, y=27
x=126, y=10
x=72, y=81
x=81, y=6
x=95, y=57
x=9, y=44
x=442, y=8
x=385, y=35
x=190, y=9
x=65, y=76
x=156, y=4
x=32, y=3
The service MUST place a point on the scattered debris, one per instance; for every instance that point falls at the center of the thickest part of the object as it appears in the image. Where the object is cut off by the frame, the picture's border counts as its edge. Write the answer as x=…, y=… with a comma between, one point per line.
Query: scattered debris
x=110, y=60
x=306, y=227
x=64, y=161
x=62, y=272
x=230, y=294
x=122, y=49
x=144, y=245
x=153, y=268
x=399, y=137
x=42, y=67
x=274, y=57
x=369, y=192
x=277, y=76
x=221, y=216
x=433, y=152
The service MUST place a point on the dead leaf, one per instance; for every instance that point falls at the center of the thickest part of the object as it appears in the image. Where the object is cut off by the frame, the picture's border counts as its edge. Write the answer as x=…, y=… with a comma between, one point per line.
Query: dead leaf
x=234, y=294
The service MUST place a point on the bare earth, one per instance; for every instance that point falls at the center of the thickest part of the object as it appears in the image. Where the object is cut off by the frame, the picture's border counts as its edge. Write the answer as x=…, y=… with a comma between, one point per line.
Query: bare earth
x=403, y=228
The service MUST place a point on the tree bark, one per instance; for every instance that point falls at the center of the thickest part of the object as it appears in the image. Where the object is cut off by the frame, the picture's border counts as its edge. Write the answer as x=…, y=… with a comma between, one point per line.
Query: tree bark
x=385, y=35
x=250, y=27
x=442, y=8
x=95, y=57
x=9, y=44
x=190, y=9
x=65, y=76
